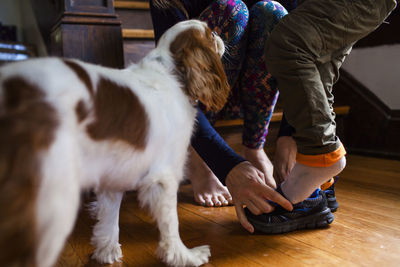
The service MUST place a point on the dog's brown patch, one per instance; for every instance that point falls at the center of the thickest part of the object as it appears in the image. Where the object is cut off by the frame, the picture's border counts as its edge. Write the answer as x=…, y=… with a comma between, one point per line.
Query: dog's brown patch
x=26, y=127
x=82, y=75
x=119, y=115
x=81, y=110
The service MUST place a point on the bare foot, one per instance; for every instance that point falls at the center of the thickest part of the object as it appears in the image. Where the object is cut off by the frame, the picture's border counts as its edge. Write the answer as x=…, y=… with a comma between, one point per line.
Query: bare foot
x=260, y=160
x=207, y=189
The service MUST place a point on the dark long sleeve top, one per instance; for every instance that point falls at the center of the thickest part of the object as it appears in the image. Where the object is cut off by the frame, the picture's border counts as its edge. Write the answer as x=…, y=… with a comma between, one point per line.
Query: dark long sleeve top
x=219, y=157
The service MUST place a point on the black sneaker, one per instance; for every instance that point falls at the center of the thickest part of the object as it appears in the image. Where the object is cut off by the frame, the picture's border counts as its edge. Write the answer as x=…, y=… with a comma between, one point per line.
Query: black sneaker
x=311, y=213
x=331, y=197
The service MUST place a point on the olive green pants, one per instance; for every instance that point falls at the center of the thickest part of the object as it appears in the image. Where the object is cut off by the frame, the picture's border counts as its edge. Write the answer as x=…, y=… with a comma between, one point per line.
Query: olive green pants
x=305, y=52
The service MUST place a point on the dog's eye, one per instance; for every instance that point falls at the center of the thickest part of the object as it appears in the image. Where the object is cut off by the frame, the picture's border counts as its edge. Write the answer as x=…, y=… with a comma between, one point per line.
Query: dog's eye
x=214, y=34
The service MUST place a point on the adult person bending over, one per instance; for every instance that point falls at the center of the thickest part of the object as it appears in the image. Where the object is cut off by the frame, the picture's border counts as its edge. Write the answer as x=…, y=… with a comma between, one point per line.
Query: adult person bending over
x=244, y=26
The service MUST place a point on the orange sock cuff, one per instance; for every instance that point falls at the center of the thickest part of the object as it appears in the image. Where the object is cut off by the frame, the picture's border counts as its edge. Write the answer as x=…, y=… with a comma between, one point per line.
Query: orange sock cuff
x=322, y=160
x=328, y=184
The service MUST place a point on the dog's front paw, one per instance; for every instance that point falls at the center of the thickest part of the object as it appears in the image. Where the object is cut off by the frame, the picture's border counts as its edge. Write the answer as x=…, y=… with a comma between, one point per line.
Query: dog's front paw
x=179, y=255
x=199, y=255
x=108, y=254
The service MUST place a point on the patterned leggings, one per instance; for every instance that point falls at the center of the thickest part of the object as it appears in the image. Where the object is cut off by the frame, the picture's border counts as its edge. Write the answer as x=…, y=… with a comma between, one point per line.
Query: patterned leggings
x=254, y=91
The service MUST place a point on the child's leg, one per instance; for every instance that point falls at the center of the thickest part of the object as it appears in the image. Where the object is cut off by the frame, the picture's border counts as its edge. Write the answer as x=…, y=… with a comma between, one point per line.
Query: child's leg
x=312, y=176
x=297, y=50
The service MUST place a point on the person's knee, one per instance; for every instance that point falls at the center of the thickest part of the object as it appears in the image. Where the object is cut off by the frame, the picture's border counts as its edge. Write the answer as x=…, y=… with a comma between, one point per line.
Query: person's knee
x=234, y=15
x=234, y=10
x=266, y=11
x=227, y=18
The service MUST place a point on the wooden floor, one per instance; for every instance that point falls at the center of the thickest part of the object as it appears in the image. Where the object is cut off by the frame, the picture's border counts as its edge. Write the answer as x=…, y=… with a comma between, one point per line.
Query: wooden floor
x=366, y=230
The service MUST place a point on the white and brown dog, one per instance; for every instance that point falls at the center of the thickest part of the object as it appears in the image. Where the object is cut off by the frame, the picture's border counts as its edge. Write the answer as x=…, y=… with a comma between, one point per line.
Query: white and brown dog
x=68, y=126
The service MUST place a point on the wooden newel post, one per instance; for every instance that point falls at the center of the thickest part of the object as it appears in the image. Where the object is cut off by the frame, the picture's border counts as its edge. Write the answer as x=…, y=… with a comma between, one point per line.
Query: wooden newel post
x=84, y=29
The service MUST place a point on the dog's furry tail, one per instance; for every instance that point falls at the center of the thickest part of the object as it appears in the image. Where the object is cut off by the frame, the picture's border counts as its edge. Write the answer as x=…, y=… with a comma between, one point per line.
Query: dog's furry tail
x=26, y=128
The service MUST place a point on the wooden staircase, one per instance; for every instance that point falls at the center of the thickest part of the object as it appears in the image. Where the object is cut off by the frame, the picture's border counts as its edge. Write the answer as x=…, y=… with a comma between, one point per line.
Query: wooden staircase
x=137, y=29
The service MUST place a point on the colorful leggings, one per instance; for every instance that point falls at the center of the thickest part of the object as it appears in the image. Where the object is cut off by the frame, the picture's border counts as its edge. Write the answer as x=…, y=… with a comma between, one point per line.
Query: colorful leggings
x=254, y=90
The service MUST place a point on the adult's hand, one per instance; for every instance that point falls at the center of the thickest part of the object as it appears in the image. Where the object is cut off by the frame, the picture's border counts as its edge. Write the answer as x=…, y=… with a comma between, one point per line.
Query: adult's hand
x=285, y=157
x=247, y=187
x=259, y=159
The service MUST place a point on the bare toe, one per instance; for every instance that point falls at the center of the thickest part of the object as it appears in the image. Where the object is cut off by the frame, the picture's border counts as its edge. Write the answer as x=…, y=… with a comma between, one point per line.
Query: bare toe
x=228, y=198
x=216, y=201
x=209, y=202
x=223, y=200
x=199, y=199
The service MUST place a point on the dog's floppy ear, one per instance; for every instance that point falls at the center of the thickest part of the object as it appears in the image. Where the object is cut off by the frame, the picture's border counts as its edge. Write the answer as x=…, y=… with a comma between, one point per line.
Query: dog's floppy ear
x=199, y=68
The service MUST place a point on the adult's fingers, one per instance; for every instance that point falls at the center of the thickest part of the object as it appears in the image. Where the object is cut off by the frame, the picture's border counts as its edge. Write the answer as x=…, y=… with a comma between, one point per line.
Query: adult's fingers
x=253, y=208
x=261, y=205
x=273, y=195
x=242, y=218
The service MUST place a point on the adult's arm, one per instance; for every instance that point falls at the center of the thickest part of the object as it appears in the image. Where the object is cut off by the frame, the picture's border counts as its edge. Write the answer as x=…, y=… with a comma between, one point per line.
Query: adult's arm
x=212, y=148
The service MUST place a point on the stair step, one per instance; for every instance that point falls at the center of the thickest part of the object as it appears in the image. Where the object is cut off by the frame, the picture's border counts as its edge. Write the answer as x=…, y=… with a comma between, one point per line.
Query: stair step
x=134, y=14
x=135, y=50
x=132, y=5
x=276, y=117
x=137, y=34
x=135, y=19
x=137, y=29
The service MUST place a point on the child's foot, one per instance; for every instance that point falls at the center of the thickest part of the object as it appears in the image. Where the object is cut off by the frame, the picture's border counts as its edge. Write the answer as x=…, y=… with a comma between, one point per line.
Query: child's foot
x=207, y=189
x=303, y=179
x=311, y=213
x=260, y=160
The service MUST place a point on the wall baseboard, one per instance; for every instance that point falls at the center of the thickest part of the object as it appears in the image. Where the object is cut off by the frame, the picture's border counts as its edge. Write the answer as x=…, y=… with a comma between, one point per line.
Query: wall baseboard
x=371, y=127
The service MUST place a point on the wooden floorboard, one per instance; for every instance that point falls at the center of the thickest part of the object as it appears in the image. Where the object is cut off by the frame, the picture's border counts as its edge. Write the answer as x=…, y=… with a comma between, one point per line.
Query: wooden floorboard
x=366, y=230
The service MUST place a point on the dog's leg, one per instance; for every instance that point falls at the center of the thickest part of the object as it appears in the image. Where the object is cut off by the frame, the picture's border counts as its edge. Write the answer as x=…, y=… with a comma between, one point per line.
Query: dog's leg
x=106, y=231
x=161, y=198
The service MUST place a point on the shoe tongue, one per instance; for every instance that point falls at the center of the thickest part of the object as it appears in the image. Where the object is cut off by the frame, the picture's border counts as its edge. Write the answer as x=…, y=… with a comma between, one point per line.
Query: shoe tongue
x=315, y=194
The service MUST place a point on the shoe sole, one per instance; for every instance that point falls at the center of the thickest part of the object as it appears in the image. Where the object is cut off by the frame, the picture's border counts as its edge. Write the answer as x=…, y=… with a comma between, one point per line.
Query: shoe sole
x=317, y=220
x=333, y=207
x=332, y=204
